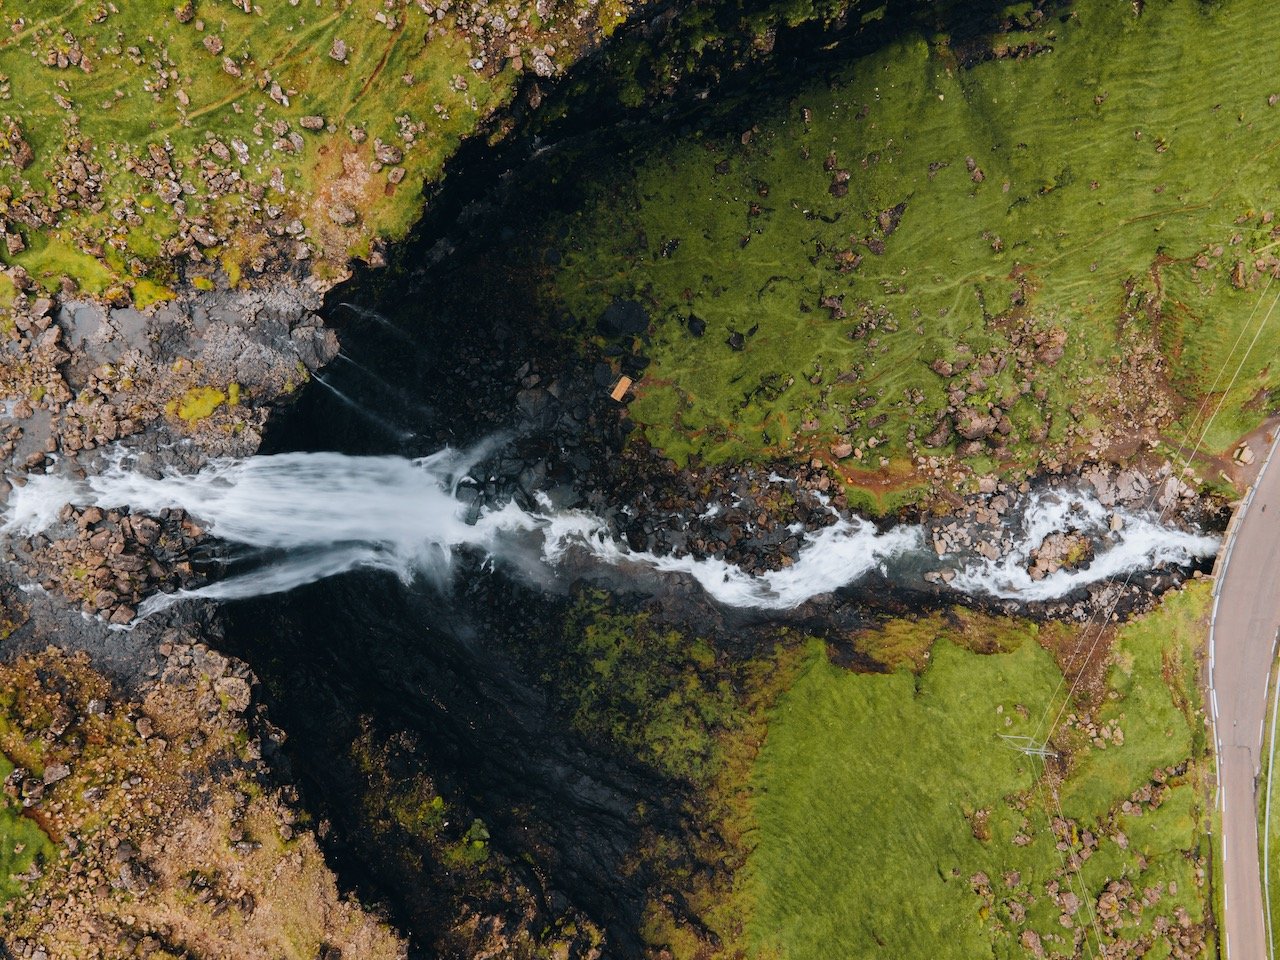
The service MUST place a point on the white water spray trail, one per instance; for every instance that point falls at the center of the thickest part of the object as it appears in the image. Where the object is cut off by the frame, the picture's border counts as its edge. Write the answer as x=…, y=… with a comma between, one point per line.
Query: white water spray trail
x=328, y=513
x=373, y=418
x=366, y=313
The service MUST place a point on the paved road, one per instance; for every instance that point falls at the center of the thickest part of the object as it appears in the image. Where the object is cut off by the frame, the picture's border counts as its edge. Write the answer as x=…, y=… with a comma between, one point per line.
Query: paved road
x=1248, y=616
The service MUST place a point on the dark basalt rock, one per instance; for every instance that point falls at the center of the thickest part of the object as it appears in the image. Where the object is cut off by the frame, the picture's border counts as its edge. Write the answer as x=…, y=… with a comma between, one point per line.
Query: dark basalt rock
x=623, y=317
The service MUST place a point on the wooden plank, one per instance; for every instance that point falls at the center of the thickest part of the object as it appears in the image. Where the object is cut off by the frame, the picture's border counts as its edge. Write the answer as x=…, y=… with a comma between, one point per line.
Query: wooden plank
x=620, y=388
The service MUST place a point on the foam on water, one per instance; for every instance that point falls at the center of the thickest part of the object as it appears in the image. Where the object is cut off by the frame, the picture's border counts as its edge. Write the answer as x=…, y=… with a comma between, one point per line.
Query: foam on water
x=1141, y=543
x=326, y=513
x=835, y=557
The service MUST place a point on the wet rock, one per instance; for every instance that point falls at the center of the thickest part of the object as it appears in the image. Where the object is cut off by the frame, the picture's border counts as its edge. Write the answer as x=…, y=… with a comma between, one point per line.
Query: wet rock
x=987, y=549
x=1058, y=551
x=146, y=530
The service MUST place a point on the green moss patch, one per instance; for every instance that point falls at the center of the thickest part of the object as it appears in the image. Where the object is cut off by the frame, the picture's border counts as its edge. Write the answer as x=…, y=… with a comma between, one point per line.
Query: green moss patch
x=198, y=403
x=647, y=689
x=22, y=843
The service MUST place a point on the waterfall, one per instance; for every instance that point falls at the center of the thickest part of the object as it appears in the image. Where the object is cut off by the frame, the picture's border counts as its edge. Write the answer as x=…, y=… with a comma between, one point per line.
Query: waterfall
x=326, y=513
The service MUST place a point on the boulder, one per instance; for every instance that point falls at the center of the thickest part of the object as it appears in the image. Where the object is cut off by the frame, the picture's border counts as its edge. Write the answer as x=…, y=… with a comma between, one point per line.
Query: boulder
x=940, y=435
x=1053, y=347
x=623, y=317
x=974, y=425
x=233, y=692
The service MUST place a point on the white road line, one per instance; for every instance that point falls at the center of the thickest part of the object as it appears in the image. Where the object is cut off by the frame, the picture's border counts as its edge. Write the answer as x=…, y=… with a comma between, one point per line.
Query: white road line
x=1266, y=823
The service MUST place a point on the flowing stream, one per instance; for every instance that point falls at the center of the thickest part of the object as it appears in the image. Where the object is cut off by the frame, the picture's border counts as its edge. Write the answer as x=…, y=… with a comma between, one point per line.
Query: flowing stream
x=321, y=514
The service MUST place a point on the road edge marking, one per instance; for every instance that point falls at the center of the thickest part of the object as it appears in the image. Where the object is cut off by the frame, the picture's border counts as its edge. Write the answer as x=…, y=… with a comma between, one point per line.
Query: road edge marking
x=1266, y=820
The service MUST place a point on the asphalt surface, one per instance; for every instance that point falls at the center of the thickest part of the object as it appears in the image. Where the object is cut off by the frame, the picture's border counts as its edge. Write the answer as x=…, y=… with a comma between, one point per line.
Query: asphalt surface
x=1245, y=624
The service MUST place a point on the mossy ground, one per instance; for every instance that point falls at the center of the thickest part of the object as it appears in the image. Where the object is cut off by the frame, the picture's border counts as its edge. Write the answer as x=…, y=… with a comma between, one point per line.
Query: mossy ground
x=1102, y=175
x=661, y=696
x=215, y=864
x=22, y=841
x=440, y=858
x=892, y=817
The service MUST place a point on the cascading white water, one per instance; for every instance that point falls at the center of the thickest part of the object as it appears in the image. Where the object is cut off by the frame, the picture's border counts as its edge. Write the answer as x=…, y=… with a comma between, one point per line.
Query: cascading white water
x=1141, y=543
x=328, y=513
x=834, y=557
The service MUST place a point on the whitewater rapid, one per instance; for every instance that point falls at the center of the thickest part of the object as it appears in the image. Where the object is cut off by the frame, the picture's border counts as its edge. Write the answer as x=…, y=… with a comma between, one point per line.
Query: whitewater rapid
x=321, y=514
x=1143, y=542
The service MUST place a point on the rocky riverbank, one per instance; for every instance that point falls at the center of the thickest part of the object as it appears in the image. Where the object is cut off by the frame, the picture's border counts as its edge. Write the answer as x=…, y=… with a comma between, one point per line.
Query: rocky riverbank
x=138, y=754
x=171, y=836
x=188, y=380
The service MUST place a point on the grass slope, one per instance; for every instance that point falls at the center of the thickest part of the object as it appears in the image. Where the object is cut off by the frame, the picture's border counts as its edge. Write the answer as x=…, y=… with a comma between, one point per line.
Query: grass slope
x=140, y=138
x=892, y=821
x=1103, y=185
x=140, y=131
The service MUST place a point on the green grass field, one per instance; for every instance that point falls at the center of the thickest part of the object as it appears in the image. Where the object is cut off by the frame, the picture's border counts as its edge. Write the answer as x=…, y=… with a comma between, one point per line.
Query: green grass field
x=1114, y=189
x=892, y=820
